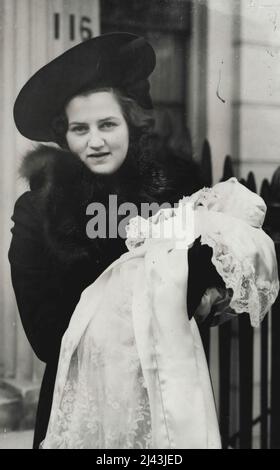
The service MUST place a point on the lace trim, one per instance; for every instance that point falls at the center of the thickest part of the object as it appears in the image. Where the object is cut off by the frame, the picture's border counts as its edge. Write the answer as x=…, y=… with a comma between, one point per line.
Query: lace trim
x=250, y=294
x=104, y=402
x=93, y=414
x=137, y=230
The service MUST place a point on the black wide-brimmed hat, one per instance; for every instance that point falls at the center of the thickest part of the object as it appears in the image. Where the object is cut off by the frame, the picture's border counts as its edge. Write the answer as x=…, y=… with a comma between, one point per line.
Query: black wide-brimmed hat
x=120, y=60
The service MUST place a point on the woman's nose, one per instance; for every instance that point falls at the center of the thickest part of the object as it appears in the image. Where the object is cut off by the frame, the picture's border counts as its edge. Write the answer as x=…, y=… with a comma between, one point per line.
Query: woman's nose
x=95, y=140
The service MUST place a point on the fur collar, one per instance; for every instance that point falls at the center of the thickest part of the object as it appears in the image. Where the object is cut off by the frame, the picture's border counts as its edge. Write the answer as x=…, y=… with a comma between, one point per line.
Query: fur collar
x=66, y=187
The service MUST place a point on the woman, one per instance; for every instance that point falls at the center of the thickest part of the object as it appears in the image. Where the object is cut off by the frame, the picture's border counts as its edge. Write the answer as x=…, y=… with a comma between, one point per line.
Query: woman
x=94, y=102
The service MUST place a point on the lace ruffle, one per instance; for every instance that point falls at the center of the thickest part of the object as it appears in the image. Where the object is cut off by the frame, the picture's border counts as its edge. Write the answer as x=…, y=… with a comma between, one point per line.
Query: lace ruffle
x=250, y=294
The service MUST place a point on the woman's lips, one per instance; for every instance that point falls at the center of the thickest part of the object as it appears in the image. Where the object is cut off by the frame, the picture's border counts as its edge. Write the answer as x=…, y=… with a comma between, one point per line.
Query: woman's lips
x=98, y=155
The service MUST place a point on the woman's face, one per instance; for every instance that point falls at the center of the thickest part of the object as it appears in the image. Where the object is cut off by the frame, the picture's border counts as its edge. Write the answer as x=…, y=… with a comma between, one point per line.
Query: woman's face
x=97, y=131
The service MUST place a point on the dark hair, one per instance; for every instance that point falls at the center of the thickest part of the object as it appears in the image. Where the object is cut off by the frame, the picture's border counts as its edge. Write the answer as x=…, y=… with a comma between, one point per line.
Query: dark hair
x=140, y=121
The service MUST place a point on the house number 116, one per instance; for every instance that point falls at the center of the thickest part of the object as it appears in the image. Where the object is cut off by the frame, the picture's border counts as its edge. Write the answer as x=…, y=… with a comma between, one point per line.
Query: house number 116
x=84, y=27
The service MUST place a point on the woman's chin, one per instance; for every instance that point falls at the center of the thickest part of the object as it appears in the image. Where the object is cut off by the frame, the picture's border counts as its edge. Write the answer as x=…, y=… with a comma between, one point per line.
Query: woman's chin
x=100, y=168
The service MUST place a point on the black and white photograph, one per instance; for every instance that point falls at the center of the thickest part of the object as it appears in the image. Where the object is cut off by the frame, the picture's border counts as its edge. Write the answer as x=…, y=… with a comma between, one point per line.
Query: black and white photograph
x=140, y=227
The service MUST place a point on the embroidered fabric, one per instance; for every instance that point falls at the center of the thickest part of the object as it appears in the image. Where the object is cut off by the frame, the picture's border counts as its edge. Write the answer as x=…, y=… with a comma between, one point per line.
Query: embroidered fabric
x=94, y=414
x=232, y=198
x=250, y=293
x=104, y=402
x=132, y=371
x=229, y=197
x=227, y=207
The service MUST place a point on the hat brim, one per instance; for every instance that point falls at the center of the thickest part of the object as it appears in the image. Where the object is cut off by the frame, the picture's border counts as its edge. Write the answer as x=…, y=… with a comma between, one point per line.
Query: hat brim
x=115, y=59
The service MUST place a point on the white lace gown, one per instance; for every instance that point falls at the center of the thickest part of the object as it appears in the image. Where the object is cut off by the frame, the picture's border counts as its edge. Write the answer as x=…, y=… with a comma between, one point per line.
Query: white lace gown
x=132, y=372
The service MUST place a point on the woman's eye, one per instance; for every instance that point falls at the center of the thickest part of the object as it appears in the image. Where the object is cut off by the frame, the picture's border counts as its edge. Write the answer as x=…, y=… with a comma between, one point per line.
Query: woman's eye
x=79, y=129
x=108, y=125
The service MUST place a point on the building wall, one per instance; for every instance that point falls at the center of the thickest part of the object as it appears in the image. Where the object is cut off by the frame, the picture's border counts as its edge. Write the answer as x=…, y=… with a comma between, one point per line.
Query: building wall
x=243, y=85
x=258, y=104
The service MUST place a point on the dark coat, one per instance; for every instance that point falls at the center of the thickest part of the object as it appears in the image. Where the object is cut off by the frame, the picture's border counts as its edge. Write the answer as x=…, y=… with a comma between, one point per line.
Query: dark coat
x=53, y=261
